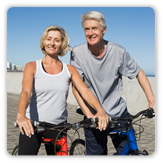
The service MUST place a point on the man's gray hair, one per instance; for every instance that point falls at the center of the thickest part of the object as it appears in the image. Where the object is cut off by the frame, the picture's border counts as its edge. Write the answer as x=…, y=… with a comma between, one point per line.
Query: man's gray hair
x=95, y=15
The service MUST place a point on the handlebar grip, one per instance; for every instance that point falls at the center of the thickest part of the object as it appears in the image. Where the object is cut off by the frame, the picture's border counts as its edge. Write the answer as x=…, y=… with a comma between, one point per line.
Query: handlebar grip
x=95, y=120
x=149, y=113
x=151, y=110
x=35, y=124
x=16, y=125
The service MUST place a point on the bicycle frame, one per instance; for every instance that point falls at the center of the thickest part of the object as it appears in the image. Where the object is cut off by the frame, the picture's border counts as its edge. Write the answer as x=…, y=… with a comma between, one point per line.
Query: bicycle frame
x=131, y=144
x=60, y=142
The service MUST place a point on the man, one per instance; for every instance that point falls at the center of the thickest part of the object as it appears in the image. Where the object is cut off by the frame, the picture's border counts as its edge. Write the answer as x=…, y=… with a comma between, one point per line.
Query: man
x=101, y=64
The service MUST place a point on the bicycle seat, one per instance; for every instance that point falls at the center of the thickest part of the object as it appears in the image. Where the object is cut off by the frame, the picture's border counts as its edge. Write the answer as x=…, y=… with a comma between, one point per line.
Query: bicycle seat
x=79, y=111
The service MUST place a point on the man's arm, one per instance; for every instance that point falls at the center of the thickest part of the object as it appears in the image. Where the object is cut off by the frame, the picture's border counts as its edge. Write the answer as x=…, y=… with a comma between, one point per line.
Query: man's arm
x=144, y=83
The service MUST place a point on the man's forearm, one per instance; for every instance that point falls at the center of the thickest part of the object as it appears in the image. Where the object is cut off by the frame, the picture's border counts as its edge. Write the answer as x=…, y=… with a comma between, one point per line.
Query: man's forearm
x=144, y=83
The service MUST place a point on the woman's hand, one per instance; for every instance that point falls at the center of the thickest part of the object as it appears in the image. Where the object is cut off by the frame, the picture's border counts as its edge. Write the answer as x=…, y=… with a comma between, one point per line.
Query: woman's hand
x=25, y=125
x=103, y=120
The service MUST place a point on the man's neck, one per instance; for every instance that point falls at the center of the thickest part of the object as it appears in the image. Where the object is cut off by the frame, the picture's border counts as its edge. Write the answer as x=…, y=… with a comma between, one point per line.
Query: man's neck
x=98, y=50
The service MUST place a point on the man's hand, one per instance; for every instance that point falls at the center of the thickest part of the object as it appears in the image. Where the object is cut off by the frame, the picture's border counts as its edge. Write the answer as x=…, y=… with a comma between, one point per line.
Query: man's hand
x=103, y=120
x=151, y=105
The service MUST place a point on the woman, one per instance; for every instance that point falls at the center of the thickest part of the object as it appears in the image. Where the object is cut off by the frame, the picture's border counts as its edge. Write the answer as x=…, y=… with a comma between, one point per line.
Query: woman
x=48, y=81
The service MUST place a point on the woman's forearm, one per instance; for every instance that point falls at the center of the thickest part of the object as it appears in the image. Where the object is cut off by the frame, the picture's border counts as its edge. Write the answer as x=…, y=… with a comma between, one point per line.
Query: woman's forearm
x=88, y=96
x=23, y=103
x=82, y=104
x=92, y=101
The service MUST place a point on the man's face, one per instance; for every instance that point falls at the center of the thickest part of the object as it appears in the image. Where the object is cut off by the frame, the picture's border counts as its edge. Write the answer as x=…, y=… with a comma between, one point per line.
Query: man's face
x=93, y=31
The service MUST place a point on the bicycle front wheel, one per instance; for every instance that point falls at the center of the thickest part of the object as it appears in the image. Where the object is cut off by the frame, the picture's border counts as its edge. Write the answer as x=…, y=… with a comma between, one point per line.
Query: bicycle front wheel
x=78, y=147
x=15, y=151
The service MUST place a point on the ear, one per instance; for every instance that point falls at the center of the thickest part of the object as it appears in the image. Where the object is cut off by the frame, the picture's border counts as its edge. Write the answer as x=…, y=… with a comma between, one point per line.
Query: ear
x=104, y=31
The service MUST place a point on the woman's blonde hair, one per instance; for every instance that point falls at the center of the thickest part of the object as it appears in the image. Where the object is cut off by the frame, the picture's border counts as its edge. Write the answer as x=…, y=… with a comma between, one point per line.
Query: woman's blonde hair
x=95, y=15
x=65, y=40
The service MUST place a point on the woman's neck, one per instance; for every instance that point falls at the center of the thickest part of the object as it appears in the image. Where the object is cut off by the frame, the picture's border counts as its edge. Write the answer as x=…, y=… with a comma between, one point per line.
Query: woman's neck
x=51, y=60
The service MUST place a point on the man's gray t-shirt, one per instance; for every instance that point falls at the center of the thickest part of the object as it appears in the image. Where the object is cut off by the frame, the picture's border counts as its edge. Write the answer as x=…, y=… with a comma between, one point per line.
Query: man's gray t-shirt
x=103, y=76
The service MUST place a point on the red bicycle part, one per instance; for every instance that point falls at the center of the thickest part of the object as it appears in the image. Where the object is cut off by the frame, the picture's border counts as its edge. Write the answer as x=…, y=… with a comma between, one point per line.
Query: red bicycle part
x=62, y=143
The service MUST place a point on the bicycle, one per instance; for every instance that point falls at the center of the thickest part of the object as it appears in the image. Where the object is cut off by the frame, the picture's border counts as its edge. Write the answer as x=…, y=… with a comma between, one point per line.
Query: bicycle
x=77, y=146
x=131, y=147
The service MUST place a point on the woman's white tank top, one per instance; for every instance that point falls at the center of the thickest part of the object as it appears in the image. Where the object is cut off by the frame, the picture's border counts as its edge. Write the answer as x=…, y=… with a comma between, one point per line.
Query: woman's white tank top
x=48, y=101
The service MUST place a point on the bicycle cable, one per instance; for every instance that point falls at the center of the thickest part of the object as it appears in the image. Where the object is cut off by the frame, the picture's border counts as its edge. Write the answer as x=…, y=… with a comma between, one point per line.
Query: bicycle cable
x=141, y=128
x=60, y=131
x=63, y=131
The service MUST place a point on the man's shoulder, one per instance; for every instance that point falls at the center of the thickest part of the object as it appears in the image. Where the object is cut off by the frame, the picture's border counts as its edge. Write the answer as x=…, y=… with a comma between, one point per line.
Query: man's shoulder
x=80, y=47
x=117, y=46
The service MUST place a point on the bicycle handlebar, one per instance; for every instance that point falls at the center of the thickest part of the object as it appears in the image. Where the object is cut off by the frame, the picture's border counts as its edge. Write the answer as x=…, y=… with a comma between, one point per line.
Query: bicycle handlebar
x=41, y=126
x=149, y=113
x=90, y=123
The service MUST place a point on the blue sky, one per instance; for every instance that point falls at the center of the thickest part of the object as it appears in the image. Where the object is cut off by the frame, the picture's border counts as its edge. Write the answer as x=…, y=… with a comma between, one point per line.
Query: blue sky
x=131, y=27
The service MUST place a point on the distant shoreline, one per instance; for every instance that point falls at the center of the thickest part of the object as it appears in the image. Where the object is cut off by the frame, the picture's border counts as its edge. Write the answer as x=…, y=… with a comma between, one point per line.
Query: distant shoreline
x=150, y=75
x=22, y=71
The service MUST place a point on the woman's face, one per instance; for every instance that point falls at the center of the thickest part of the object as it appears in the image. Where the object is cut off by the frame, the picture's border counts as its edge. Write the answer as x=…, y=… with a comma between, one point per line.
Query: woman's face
x=53, y=42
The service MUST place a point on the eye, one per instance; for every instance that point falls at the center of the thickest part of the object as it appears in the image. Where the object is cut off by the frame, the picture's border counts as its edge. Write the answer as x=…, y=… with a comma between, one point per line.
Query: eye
x=94, y=28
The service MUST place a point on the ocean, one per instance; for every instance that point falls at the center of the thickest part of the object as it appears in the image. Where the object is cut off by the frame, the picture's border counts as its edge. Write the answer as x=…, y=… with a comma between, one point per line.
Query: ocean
x=150, y=75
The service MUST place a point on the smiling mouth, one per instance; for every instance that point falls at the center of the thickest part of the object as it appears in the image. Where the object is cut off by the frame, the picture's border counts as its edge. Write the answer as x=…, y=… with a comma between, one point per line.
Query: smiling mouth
x=52, y=48
x=92, y=38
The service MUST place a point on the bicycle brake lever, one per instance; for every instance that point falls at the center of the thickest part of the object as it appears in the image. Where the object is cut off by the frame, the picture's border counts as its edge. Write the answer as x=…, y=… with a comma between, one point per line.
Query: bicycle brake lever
x=36, y=123
x=113, y=122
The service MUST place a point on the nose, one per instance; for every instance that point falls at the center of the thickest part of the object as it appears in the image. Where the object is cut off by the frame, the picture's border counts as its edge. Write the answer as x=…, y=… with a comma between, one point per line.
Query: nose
x=52, y=42
x=90, y=32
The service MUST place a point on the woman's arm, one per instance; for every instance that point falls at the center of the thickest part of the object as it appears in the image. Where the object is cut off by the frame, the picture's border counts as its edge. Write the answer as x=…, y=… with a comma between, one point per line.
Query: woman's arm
x=82, y=104
x=23, y=122
x=144, y=83
x=88, y=96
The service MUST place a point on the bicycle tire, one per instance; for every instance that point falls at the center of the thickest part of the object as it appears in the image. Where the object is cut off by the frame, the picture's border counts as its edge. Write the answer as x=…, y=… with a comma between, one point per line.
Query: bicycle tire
x=145, y=152
x=15, y=151
x=77, y=145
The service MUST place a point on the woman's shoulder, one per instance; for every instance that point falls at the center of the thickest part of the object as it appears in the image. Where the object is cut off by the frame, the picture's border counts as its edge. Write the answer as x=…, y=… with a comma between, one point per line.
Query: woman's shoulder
x=71, y=69
x=30, y=66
